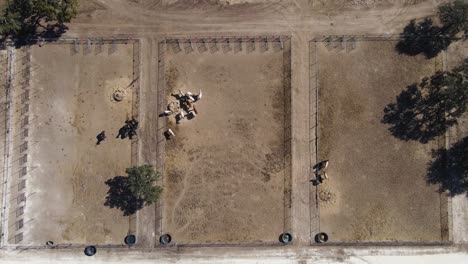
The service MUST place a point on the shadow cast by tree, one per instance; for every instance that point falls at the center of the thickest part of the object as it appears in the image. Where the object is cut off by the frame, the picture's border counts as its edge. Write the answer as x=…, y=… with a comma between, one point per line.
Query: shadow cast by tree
x=120, y=196
x=429, y=39
x=423, y=37
x=425, y=111
x=50, y=32
x=450, y=169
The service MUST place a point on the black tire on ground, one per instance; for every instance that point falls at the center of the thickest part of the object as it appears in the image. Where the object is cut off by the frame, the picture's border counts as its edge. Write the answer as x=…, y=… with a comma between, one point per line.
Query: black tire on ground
x=285, y=238
x=321, y=237
x=165, y=239
x=90, y=251
x=130, y=240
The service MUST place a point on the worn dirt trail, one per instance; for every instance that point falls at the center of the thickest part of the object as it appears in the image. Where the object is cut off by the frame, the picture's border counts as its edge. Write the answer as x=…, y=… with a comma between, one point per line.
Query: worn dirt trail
x=143, y=18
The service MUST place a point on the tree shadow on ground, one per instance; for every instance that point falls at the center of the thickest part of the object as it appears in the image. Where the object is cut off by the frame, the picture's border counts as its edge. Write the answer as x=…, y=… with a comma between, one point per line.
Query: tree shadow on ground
x=426, y=110
x=50, y=33
x=450, y=169
x=423, y=37
x=414, y=117
x=119, y=196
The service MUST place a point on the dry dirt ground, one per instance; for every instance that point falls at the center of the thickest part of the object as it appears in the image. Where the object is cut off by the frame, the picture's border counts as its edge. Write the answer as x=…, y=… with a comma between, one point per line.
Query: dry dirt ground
x=69, y=104
x=302, y=19
x=377, y=189
x=224, y=177
x=152, y=20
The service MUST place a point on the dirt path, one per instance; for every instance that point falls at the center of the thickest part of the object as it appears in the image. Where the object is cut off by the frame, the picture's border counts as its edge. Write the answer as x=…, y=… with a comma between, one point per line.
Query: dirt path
x=146, y=18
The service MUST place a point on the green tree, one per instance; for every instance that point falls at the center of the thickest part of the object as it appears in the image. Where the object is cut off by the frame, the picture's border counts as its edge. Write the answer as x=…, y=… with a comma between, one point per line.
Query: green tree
x=25, y=16
x=454, y=17
x=141, y=180
x=9, y=22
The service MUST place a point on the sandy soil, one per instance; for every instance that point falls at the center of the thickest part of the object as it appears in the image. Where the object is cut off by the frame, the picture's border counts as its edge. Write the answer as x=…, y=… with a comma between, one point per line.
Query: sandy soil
x=225, y=169
x=151, y=20
x=377, y=182
x=71, y=104
x=147, y=17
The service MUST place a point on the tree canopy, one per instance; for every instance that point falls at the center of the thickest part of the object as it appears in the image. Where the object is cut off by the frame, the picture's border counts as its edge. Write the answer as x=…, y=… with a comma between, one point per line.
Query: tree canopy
x=129, y=194
x=24, y=17
x=454, y=17
x=141, y=180
x=9, y=22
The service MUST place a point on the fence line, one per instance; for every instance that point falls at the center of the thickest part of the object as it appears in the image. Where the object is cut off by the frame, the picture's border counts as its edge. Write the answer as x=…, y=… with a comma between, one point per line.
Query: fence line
x=204, y=39
x=21, y=150
x=20, y=78
x=135, y=144
x=226, y=43
x=376, y=37
x=6, y=155
x=287, y=127
x=161, y=127
x=202, y=44
x=314, y=213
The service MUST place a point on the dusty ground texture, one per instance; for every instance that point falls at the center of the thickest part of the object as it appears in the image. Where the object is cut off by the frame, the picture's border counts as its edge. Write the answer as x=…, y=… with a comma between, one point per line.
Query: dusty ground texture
x=225, y=169
x=70, y=103
x=377, y=181
x=302, y=19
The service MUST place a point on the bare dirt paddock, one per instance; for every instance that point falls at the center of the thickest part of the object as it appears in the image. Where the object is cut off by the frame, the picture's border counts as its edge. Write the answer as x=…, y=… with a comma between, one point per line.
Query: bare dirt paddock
x=377, y=190
x=226, y=172
x=68, y=102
